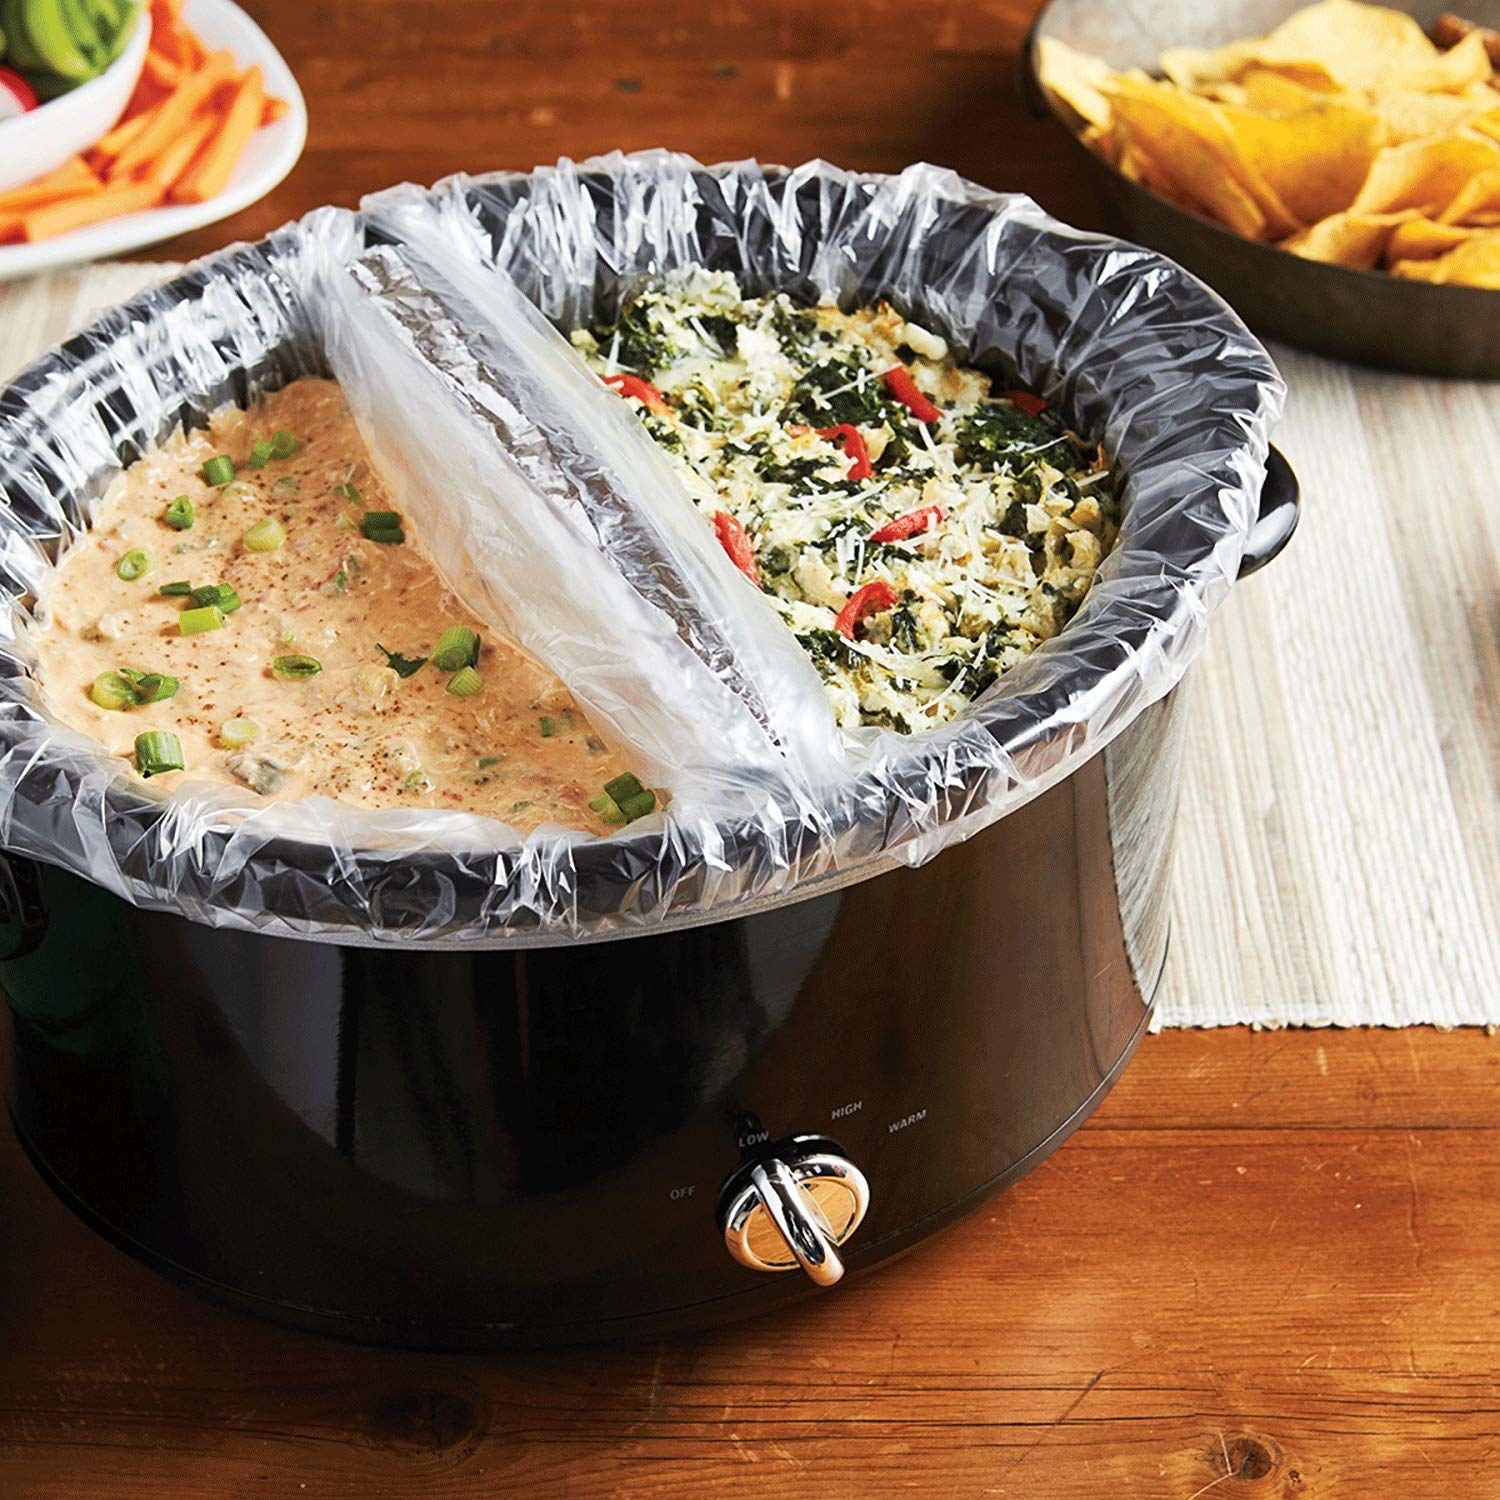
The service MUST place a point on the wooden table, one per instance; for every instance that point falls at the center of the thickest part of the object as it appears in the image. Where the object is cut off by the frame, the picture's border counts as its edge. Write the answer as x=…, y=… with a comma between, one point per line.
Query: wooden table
x=1268, y=1268
x=414, y=89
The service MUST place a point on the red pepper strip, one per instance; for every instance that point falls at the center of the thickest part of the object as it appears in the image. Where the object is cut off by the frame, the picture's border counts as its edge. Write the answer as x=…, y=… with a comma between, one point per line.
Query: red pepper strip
x=872, y=599
x=642, y=390
x=1033, y=406
x=913, y=523
x=736, y=543
x=899, y=383
x=852, y=441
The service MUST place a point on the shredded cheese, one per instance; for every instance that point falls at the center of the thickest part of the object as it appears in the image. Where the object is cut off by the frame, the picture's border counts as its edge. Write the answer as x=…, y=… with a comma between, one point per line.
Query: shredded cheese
x=749, y=381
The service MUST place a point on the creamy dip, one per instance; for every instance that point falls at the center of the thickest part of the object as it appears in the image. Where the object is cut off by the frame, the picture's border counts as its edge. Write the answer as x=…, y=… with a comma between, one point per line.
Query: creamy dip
x=369, y=726
x=918, y=532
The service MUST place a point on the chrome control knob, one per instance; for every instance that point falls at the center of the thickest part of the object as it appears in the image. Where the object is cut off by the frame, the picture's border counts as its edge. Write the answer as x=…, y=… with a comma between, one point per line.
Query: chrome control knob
x=795, y=1209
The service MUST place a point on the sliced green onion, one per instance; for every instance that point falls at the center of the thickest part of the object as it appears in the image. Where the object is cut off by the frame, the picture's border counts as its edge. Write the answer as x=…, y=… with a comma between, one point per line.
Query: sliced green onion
x=623, y=787
x=234, y=734
x=465, y=683
x=260, y=454
x=607, y=808
x=296, y=667
x=283, y=444
x=151, y=687
x=156, y=751
x=196, y=621
x=221, y=595
x=179, y=514
x=516, y=807
x=455, y=648
x=382, y=526
x=180, y=590
x=486, y=761
x=219, y=469
x=135, y=564
x=639, y=805
x=549, y=727
x=347, y=491
x=265, y=536
x=112, y=690
x=419, y=781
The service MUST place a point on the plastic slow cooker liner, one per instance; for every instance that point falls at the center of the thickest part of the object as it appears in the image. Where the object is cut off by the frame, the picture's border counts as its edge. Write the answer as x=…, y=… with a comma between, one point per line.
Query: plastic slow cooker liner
x=764, y=796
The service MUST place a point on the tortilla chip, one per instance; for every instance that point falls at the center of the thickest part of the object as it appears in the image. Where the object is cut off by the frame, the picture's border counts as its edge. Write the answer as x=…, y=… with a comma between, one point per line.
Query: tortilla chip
x=1477, y=201
x=1409, y=115
x=1191, y=175
x=1345, y=134
x=1190, y=140
x=1223, y=93
x=1466, y=63
x=1422, y=239
x=1139, y=167
x=1359, y=47
x=1315, y=159
x=1265, y=88
x=1424, y=175
x=1476, y=262
x=1347, y=239
x=1193, y=68
x=1074, y=77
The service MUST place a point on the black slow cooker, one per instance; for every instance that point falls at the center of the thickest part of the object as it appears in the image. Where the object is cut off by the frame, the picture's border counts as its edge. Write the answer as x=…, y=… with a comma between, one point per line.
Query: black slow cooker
x=377, y=1095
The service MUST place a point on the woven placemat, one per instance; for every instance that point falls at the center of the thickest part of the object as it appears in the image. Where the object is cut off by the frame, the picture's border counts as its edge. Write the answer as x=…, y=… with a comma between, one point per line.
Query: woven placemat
x=1338, y=858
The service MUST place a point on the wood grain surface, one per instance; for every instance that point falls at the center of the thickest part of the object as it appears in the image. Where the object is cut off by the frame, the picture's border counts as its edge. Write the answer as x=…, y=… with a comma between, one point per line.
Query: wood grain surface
x=1268, y=1268
x=410, y=90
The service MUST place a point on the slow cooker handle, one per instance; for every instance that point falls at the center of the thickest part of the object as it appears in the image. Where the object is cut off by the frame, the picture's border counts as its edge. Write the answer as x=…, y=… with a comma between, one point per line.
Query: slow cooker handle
x=1280, y=510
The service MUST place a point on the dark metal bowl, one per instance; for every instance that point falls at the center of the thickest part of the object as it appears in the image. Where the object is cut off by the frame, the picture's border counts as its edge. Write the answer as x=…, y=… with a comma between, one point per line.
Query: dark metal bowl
x=1365, y=316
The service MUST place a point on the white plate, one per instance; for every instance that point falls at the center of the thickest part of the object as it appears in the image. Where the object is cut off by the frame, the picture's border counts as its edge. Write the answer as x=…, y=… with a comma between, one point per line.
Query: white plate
x=271, y=154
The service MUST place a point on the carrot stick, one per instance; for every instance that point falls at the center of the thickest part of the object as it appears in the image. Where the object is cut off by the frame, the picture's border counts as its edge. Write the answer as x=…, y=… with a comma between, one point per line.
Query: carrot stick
x=148, y=93
x=109, y=146
x=72, y=177
x=176, y=159
x=161, y=70
x=241, y=121
x=275, y=109
x=89, y=208
x=168, y=33
x=175, y=112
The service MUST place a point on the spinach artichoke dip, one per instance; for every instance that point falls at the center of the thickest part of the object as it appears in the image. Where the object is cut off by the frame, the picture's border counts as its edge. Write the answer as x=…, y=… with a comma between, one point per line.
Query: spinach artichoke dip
x=918, y=533
x=248, y=609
